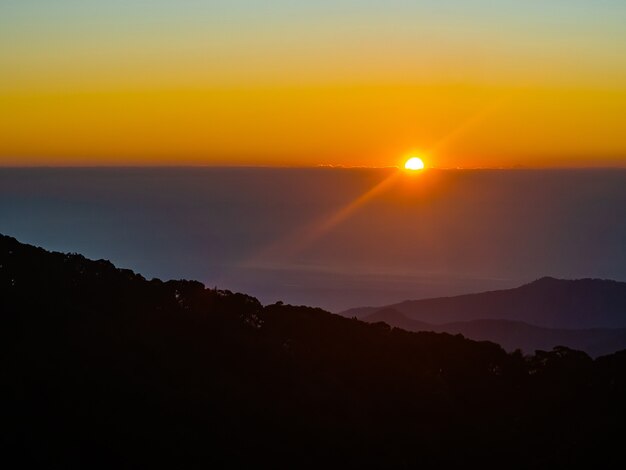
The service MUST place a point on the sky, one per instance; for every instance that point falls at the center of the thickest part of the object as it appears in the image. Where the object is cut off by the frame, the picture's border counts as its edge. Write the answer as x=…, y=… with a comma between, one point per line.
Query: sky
x=463, y=83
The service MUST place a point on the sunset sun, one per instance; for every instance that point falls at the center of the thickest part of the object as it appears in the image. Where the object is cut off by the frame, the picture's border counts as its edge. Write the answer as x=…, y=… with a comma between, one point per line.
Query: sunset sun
x=414, y=164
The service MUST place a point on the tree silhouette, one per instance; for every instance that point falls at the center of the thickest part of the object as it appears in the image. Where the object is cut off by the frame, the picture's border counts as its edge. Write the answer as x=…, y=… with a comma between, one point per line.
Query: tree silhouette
x=101, y=367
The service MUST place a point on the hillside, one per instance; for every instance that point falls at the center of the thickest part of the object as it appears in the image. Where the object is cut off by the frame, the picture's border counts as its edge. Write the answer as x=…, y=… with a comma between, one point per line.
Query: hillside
x=103, y=368
x=547, y=302
x=512, y=335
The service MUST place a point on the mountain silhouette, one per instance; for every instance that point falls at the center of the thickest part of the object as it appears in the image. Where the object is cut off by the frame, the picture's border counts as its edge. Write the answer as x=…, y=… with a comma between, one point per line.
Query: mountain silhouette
x=102, y=367
x=512, y=335
x=546, y=302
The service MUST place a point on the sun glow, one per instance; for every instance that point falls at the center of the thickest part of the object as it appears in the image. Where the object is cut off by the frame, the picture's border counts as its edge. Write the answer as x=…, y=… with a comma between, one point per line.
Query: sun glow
x=414, y=164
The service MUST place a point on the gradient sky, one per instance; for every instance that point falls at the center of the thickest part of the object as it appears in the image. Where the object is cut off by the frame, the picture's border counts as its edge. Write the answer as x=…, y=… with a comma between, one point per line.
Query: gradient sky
x=467, y=83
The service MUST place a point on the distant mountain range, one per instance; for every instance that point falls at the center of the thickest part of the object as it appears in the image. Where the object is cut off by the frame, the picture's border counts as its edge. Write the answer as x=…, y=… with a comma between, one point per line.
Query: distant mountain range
x=585, y=314
x=513, y=335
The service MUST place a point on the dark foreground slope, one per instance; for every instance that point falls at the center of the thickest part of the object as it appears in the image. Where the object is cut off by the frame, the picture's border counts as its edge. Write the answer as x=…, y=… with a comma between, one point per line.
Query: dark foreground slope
x=103, y=368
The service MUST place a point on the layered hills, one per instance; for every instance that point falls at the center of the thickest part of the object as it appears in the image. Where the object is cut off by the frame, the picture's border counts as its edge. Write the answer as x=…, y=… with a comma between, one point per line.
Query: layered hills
x=586, y=314
x=512, y=335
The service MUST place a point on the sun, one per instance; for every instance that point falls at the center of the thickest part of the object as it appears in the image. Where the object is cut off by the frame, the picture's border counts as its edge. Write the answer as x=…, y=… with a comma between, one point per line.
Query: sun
x=414, y=164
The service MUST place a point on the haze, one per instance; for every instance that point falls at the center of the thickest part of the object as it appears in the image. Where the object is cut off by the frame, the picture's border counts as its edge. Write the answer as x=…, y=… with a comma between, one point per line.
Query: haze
x=267, y=232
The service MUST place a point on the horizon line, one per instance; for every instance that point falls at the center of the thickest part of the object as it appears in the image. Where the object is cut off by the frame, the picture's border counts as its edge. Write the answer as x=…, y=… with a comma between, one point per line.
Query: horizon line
x=310, y=167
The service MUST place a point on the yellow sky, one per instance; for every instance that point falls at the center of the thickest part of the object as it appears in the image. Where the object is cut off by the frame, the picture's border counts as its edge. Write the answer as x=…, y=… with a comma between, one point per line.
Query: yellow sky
x=87, y=84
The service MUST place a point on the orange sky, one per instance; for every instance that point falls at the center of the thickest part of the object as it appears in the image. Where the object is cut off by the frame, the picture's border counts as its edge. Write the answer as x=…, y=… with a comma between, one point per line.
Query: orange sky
x=84, y=83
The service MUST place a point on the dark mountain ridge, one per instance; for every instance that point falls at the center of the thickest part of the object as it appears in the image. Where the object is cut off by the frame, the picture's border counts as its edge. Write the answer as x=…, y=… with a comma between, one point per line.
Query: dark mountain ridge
x=103, y=368
x=512, y=335
x=546, y=302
